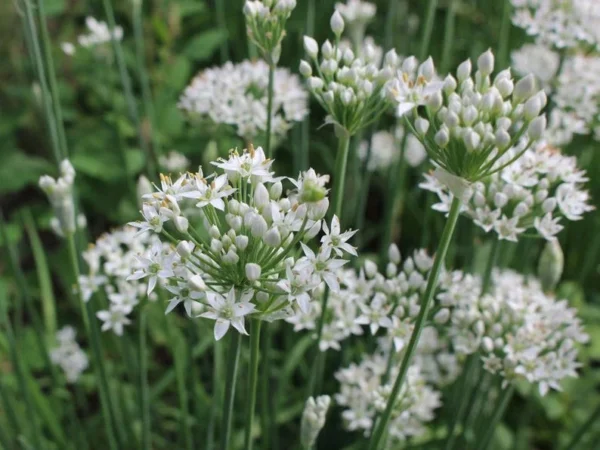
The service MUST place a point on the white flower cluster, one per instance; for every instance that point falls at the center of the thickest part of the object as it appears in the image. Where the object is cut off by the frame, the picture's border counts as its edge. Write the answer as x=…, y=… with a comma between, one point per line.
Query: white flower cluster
x=521, y=333
x=236, y=94
x=365, y=390
x=250, y=258
x=357, y=15
x=469, y=122
x=538, y=60
x=110, y=262
x=98, y=33
x=349, y=88
x=265, y=25
x=68, y=355
x=559, y=23
x=533, y=193
x=174, y=162
x=385, y=150
x=313, y=420
x=60, y=194
x=367, y=50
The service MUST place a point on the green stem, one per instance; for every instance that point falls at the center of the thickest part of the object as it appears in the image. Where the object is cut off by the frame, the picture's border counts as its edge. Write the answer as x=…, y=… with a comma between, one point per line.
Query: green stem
x=504, y=35
x=252, y=381
x=491, y=262
x=505, y=397
x=587, y=425
x=94, y=336
x=268, y=149
x=232, y=368
x=390, y=24
x=341, y=162
x=144, y=390
x=428, y=28
x=440, y=256
x=457, y=416
x=448, y=36
x=319, y=359
x=219, y=5
x=268, y=408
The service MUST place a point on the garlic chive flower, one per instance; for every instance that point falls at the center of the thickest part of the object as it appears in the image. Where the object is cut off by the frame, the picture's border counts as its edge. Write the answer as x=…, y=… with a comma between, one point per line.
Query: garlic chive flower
x=60, y=194
x=239, y=244
x=236, y=95
x=468, y=123
x=68, y=355
x=356, y=14
x=364, y=394
x=534, y=194
x=98, y=34
x=385, y=150
x=350, y=89
x=313, y=420
x=265, y=25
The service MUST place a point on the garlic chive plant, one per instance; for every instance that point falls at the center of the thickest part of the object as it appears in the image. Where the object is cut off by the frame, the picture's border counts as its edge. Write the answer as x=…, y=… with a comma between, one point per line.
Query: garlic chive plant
x=240, y=246
x=467, y=125
x=265, y=26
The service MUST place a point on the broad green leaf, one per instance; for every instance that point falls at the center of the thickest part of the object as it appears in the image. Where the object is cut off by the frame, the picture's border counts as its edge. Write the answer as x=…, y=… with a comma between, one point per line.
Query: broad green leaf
x=202, y=47
x=19, y=170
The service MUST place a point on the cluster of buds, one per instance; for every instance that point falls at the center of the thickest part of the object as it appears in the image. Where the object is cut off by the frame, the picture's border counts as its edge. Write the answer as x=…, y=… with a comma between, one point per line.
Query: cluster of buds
x=60, y=194
x=532, y=194
x=357, y=15
x=68, y=354
x=351, y=90
x=239, y=244
x=98, y=34
x=265, y=25
x=468, y=123
x=313, y=420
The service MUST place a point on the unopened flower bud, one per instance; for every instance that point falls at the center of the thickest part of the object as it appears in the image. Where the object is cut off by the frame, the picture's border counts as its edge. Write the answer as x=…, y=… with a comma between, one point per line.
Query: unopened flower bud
x=272, y=237
x=449, y=84
x=253, y=271
x=471, y=140
x=442, y=316
x=241, y=242
x=305, y=69
x=315, y=83
x=391, y=270
x=337, y=23
x=421, y=125
x=524, y=88
x=197, y=283
x=394, y=254
x=464, y=71
x=551, y=265
x=370, y=268
x=327, y=50
x=311, y=47
x=487, y=344
x=313, y=419
x=549, y=205
x=532, y=108
x=435, y=101
x=442, y=137
x=485, y=63
x=502, y=139
x=181, y=223
x=258, y=226
x=505, y=86
x=427, y=69
x=536, y=128
x=275, y=190
x=261, y=196
x=144, y=186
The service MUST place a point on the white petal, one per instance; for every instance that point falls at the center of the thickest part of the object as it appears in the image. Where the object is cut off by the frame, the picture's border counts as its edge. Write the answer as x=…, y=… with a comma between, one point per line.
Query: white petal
x=221, y=327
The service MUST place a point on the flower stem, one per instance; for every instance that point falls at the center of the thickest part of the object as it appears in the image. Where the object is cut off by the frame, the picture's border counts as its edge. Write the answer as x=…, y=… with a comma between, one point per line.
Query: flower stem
x=440, y=256
x=504, y=36
x=319, y=359
x=94, y=336
x=427, y=29
x=232, y=368
x=252, y=381
x=448, y=35
x=224, y=50
x=144, y=390
x=491, y=262
x=578, y=435
x=498, y=413
x=269, y=150
x=341, y=163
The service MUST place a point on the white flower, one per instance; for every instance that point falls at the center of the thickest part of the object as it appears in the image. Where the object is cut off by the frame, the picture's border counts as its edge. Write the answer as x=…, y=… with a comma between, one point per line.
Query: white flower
x=337, y=241
x=210, y=193
x=115, y=318
x=228, y=311
x=322, y=265
x=154, y=266
x=99, y=33
x=186, y=293
x=68, y=355
x=548, y=227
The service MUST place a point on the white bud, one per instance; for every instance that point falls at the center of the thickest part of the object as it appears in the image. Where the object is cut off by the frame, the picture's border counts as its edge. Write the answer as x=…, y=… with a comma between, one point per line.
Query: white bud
x=421, y=125
x=261, y=196
x=532, y=108
x=521, y=209
x=253, y=271
x=427, y=69
x=394, y=254
x=469, y=115
x=197, y=283
x=391, y=58
x=337, y=23
x=327, y=50
x=391, y=270
x=231, y=257
x=311, y=47
x=487, y=344
x=275, y=190
x=184, y=249
x=214, y=232
x=500, y=200
x=464, y=71
x=536, y=128
x=471, y=140
x=313, y=420
x=347, y=96
x=449, y=85
x=524, y=88
x=502, y=139
x=259, y=226
x=241, y=242
x=348, y=56
x=485, y=63
x=272, y=237
x=313, y=231
x=442, y=137
x=549, y=205
x=551, y=265
x=181, y=223
x=143, y=186
x=435, y=101
x=370, y=268
x=503, y=123
x=505, y=86
x=315, y=84
x=305, y=69
x=442, y=316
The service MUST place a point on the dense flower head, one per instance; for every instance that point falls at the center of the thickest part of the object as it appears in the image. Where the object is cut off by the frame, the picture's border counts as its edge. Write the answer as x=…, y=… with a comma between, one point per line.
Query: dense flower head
x=468, y=123
x=68, y=355
x=365, y=389
x=521, y=332
x=348, y=87
x=265, y=25
x=532, y=194
x=240, y=244
x=60, y=194
x=356, y=14
x=313, y=419
x=559, y=23
x=385, y=149
x=236, y=95
x=98, y=34
x=538, y=60
x=110, y=262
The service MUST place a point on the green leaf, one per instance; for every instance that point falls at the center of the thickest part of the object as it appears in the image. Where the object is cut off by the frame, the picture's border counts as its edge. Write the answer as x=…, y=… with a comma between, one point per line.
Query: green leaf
x=107, y=165
x=202, y=47
x=191, y=8
x=19, y=170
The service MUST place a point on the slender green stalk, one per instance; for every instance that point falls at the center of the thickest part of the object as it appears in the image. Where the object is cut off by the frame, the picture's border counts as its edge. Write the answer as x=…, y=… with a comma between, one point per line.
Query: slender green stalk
x=476, y=410
x=94, y=336
x=319, y=359
x=469, y=372
x=341, y=162
x=217, y=388
x=440, y=256
x=268, y=407
x=252, y=381
x=428, y=29
x=41, y=74
x=504, y=35
x=144, y=390
x=390, y=24
x=491, y=262
x=268, y=149
x=221, y=21
x=449, y=27
x=303, y=157
x=232, y=368
x=585, y=427
x=505, y=397
x=59, y=124
x=140, y=52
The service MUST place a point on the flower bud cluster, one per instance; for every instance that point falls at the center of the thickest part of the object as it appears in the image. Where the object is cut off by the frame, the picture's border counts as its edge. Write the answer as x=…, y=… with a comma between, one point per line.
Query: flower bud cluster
x=110, y=261
x=538, y=60
x=356, y=15
x=98, y=34
x=68, y=355
x=265, y=25
x=350, y=89
x=561, y=24
x=240, y=242
x=313, y=420
x=386, y=149
x=365, y=390
x=60, y=194
x=469, y=122
x=173, y=162
x=237, y=95
x=532, y=194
